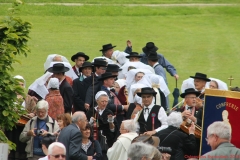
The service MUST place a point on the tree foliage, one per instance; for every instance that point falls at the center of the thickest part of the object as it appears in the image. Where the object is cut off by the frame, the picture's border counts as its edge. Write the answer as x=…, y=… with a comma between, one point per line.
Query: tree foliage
x=14, y=35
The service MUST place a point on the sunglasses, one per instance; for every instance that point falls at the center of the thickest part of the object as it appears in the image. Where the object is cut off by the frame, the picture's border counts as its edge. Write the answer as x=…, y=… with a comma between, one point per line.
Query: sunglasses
x=58, y=155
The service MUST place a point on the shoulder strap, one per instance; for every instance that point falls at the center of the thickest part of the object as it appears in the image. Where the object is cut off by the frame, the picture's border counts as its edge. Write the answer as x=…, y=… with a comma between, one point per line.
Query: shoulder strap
x=31, y=123
x=167, y=136
x=53, y=124
x=156, y=66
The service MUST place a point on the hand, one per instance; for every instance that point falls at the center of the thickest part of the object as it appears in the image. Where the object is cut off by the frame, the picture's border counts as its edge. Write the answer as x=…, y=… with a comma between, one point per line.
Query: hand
x=110, y=118
x=176, y=76
x=129, y=43
x=192, y=118
x=35, y=99
x=125, y=107
x=86, y=106
x=89, y=157
x=150, y=133
x=31, y=115
x=32, y=132
x=92, y=120
x=192, y=128
x=186, y=113
x=166, y=156
x=44, y=132
x=199, y=103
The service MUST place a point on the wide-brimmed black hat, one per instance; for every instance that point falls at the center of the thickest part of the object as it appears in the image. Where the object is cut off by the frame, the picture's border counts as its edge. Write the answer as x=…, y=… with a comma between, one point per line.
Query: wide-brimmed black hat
x=79, y=54
x=133, y=54
x=150, y=46
x=107, y=47
x=201, y=76
x=106, y=75
x=58, y=68
x=100, y=62
x=147, y=90
x=85, y=64
x=152, y=55
x=153, y=140
x=113, y=68
x=190, y=91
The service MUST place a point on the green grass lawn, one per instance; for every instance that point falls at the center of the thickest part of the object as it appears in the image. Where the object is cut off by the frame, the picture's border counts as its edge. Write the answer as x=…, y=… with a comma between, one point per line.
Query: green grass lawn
x=193, y=39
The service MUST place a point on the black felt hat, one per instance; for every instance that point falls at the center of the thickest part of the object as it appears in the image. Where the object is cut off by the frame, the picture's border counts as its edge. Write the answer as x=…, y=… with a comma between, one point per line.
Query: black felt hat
x=152, y=55
x=85, y=64
x=58, y=68
x=100, y=62
x=79, y=54
x=106, y=75
x=133, y=54
x=107, y=47
x=190, y=91
x=150, y=46
x=147, y=90
x=113, y=68
x=201, y=76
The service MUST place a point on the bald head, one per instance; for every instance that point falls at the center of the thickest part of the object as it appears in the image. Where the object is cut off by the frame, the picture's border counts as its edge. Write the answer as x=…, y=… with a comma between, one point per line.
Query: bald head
x=80, y=119
x=57, y=58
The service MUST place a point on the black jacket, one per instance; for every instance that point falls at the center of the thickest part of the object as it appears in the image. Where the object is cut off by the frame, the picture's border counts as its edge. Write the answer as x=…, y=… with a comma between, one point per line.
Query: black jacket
x=66, y=92
x=71, y=137
x=94, y=148
x=180, y=143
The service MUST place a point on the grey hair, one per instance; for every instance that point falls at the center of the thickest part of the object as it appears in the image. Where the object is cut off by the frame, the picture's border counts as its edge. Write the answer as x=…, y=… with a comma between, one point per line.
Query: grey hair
x=221, y=129
x=77, y=116
x=139, y=150
x=42, y=105
x=102, y=95
x=56, y=144
x=175, y=119
x=130, y=125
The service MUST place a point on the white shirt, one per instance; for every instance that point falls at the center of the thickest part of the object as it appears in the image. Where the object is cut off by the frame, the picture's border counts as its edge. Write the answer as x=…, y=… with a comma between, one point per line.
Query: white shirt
x=162, y=116
x=155, y=64
x=44, y=158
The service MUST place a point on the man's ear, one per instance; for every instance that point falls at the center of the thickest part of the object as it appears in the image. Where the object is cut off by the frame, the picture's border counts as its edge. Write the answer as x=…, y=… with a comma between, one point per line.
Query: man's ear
x=43, y=147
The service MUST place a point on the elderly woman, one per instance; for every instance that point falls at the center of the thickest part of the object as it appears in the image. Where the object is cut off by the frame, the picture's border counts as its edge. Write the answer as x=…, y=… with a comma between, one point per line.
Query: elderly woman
x=90, y=147
x=106, y=123
x=54, y=98
x=180, y=142
x=35, y=129
x=120, y=148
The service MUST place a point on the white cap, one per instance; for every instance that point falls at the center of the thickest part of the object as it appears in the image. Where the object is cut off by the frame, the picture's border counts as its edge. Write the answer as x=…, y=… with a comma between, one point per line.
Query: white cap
x=53, y=83
x=98, y=94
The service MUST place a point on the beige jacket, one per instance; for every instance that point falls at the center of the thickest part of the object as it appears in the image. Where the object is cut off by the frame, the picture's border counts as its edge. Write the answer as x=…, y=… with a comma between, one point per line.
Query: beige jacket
x=29, y=139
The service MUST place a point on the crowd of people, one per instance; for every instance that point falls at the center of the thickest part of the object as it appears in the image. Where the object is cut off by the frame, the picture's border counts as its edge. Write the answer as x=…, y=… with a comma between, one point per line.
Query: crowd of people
x=114, y=108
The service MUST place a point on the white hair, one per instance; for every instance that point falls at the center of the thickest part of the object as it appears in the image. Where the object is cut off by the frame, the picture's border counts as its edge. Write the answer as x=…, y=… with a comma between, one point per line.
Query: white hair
x=130, y=125
x=221, y=129
x=56, y=144
x=99, y=94
x=77, y=116
x=102, y=95
x=42, y=105
x=175, y=119
x=139, y=150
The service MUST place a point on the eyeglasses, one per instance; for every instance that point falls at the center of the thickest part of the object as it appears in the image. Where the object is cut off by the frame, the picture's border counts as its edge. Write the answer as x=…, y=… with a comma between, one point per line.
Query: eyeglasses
x=208, y=137
x=58, y=155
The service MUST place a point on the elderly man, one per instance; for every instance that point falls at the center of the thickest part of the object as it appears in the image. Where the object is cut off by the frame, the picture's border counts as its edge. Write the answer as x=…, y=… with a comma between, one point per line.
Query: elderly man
x=152, y=118
x=120, y=148
x=65, y=88
x=107, y=49
x=56, y=151
x=35, y=129
x=79, y=58
x=218, y=137
x=150, y=46
x=71, y=137
x=178, y=141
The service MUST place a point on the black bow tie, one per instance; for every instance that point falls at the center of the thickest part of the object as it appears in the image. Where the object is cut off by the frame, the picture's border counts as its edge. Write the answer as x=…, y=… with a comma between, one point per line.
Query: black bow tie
x=146, y=110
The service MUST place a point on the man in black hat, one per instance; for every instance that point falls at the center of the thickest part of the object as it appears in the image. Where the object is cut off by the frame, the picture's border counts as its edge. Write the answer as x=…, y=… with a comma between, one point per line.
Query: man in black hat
x=113, y=68
x=150, y=46
x=65, y=88
x=190, y=111
x=108, y=80
x=152, y=118
x=80, y=87
x=79, y=58
x=153, y=62
x=107, y=49
x=134, y=57
x=85, y=70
